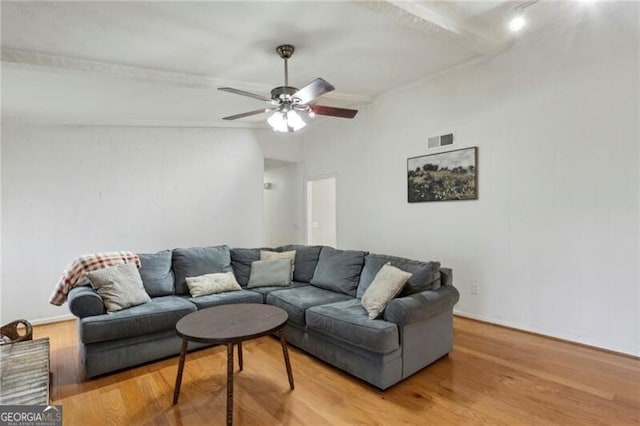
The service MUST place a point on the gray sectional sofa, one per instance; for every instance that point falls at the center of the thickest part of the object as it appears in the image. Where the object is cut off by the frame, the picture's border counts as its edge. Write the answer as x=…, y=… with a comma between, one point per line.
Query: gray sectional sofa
x=326, y=317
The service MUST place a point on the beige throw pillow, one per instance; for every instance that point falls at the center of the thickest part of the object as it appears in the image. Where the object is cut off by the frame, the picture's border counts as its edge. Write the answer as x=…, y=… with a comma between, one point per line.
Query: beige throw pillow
x=120, y=286
x=273, y=255
x=386, y=285
x=212, y=284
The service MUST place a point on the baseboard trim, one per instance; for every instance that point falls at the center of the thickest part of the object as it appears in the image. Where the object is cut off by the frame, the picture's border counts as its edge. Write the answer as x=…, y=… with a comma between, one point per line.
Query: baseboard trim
x=51, y=320
x=517, y=327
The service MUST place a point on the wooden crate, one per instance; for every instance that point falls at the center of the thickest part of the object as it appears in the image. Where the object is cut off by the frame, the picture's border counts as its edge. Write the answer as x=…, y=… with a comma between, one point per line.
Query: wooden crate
x=24, y=373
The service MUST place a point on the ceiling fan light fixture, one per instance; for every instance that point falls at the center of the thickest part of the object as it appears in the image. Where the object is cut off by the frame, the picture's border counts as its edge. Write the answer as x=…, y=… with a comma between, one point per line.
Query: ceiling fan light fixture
x=295, y=121
x=286, y=121
x=277, y=122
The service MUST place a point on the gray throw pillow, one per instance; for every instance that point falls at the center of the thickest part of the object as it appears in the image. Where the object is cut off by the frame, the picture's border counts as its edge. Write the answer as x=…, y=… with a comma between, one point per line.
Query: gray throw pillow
x=267, y=273
x=273, y=255
x=120, y=286
x=338, y=270
x=157, y=275
x=196, y=261
x=386, y=285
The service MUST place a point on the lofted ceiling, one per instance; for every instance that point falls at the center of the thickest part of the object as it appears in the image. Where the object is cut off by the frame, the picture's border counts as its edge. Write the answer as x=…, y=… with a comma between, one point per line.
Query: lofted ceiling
x=159, y=63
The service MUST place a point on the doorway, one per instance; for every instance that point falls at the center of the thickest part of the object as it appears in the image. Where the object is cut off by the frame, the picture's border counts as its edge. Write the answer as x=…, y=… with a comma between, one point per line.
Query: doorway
x=321, y=211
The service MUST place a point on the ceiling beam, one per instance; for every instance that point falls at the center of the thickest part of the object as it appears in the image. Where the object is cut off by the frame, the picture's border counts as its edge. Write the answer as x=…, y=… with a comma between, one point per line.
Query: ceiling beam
x=417, y=15
x=34, y=61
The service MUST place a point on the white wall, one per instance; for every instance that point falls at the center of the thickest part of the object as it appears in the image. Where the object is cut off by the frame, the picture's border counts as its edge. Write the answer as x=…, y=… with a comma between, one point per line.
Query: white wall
x=280, y=146
x=283, y=210
x=553, y=239
x=68, y=191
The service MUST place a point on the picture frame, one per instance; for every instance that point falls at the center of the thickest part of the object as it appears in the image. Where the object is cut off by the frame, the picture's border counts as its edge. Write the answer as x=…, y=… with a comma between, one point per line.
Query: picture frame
x=444, y=176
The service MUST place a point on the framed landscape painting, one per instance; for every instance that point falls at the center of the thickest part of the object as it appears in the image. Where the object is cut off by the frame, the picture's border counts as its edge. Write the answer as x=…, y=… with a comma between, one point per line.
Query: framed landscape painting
x=446, y=176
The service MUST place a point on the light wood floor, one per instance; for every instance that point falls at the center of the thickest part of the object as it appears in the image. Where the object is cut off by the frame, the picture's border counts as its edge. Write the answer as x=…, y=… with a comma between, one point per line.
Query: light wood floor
x=493, y=376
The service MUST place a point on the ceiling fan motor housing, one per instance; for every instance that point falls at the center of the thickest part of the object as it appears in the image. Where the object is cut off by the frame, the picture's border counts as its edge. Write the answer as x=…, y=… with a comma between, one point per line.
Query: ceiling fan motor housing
x=283, y=92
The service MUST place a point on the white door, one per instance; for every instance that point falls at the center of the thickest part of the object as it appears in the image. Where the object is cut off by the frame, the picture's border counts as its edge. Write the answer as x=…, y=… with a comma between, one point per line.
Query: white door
x=321, y=211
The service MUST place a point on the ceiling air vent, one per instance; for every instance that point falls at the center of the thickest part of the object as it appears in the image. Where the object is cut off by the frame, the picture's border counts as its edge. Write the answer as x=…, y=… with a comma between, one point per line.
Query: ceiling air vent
x=442, y=140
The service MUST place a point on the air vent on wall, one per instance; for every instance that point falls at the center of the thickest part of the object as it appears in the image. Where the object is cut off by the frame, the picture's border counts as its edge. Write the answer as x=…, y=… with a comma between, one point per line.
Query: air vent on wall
x=442, y=140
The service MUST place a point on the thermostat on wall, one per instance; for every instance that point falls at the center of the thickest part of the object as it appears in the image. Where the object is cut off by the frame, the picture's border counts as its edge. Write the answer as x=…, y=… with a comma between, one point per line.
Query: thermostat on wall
x=442, y=140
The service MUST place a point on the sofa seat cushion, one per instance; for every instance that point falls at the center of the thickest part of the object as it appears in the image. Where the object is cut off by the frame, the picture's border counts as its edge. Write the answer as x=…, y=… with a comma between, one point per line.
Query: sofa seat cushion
x=425, y=275
x=348, y=321
x=226, y=298
x=159, y=314
x=264, y=291
x=296, y=300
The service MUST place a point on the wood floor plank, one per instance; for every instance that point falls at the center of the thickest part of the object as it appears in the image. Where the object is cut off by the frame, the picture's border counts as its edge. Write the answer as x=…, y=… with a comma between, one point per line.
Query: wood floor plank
x=493, y=376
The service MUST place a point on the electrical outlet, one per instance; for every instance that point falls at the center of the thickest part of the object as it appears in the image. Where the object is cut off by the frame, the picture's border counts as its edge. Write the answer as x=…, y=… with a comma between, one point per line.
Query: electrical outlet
x=475, y=288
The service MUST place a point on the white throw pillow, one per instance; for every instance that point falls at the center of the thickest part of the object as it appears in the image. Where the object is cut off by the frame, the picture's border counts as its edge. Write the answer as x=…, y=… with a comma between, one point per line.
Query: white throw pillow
x=212, y=283
x=120, y=286
x=386, y=285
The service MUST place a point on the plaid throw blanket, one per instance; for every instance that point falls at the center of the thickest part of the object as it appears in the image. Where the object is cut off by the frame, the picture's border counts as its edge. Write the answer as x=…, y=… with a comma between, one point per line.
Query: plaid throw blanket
x=75, y=273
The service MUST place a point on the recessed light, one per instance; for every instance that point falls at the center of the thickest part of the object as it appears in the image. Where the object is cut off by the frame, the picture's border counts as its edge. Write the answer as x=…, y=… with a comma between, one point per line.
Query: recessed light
x=517, y=23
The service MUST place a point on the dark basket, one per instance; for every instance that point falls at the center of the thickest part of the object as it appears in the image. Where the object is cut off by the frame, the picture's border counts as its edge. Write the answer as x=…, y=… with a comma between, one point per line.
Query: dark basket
x=11, y=331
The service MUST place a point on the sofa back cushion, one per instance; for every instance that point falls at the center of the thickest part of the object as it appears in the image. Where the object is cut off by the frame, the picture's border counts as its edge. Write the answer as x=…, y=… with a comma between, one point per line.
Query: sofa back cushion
x=241, y=260
x=157, y=275
x=425, y=275
x=338, y=270
x=305, y=262
x=196, y=261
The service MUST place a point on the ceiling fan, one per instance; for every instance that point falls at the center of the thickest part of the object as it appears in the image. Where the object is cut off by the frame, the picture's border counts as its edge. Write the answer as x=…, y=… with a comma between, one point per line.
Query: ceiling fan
x=287, y=105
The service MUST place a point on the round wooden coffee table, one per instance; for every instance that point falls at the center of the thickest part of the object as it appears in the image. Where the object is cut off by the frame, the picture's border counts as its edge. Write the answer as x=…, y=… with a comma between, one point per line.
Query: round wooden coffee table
x=231, y=325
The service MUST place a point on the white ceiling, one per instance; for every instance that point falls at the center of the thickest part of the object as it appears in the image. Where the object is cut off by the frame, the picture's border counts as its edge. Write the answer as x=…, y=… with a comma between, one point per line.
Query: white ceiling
x=159, y=63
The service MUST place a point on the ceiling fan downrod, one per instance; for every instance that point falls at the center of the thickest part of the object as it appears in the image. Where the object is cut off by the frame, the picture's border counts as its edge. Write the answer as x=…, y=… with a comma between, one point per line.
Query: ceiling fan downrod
x=285, y=51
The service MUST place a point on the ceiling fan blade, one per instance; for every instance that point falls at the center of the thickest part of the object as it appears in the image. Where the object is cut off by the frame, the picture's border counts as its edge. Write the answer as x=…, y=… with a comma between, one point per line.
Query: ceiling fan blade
x=333, y=111
x=315, y=89
x=243, y=93
x=246, y=114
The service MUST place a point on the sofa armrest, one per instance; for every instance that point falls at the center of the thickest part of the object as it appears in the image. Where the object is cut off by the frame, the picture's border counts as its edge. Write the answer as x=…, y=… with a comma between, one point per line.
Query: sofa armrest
x=418, y=306
x=84, y=301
